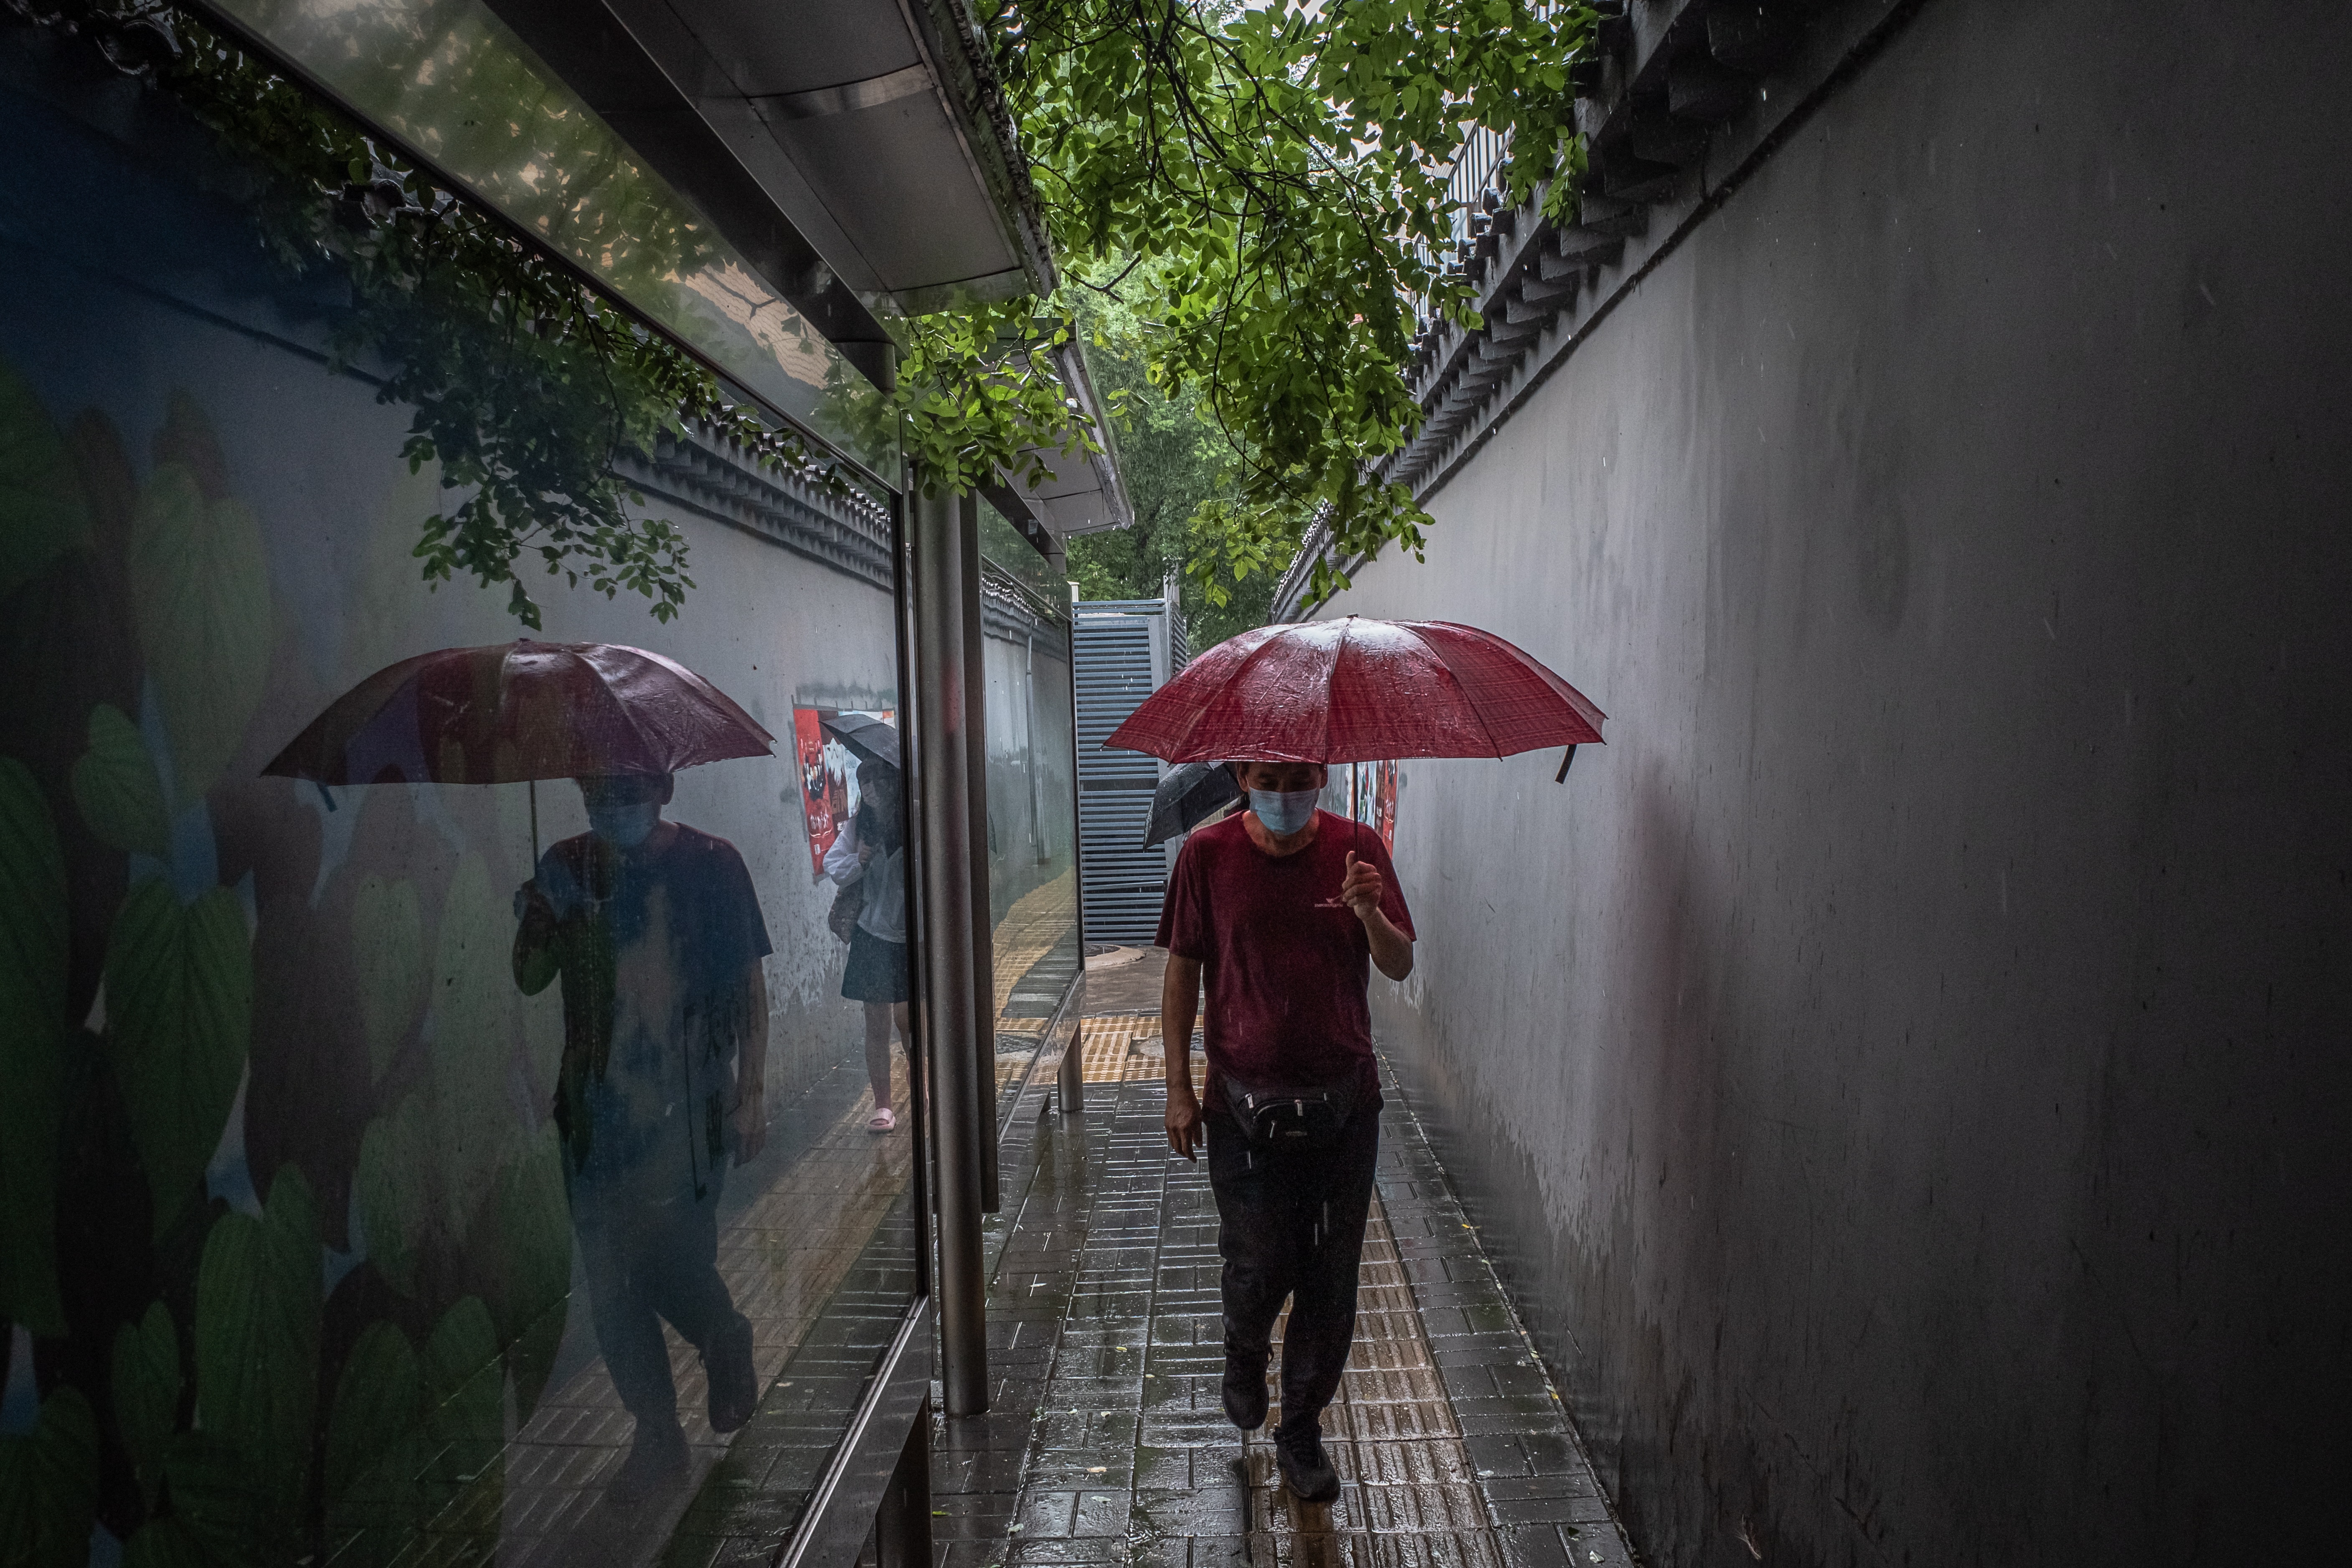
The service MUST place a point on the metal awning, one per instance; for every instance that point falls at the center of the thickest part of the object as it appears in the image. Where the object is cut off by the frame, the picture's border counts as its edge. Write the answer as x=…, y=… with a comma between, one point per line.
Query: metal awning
x=849, y=147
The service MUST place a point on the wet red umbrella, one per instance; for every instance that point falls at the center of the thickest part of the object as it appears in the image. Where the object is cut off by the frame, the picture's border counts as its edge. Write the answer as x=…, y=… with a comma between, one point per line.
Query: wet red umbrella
x=522, y=710
x=1357, y=690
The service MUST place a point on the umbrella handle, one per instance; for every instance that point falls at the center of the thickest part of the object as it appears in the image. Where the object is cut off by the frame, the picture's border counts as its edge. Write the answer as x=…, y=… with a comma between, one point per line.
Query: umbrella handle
x=1561, y=776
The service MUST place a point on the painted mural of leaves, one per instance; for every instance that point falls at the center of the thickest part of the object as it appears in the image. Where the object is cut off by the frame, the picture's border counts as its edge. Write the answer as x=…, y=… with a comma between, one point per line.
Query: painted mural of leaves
x=164, y=1544
x=377, y=1445
x=32, y=1049
x=473, y=1033
x=464, y=1383
x=116, y=787
x=396, y=1191
x=224, y=1515
x=532, y=1265
x=42, y=511
x=179, y=1001
x=49, y=1486
x=147, y=1393
x=388, y=955
x=200, y=596
x=257, y=1305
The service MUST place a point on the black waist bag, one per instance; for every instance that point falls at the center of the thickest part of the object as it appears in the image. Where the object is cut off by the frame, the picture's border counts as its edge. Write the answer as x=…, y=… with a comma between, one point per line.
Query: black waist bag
x=1291, y=1117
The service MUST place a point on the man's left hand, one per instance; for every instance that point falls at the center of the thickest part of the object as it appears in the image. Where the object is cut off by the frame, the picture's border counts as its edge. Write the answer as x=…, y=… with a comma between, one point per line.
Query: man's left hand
x=750, y=1121
x=1362, y=889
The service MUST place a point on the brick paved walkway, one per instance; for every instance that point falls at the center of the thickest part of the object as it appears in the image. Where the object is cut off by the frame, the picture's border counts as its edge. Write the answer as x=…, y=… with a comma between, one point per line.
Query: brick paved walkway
x=1107, y=1443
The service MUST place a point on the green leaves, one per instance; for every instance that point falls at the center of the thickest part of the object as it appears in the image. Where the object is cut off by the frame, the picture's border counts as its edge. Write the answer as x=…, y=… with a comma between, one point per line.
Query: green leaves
x=49, y=1486
x=388, y=955
x=376, y=1449
x=200, y=595
x=531, y=1266
x=116, y=787
x=147, y=1394
x=32, y=1049
x=179, y=998
x=257, y=1305
x=1279, y=173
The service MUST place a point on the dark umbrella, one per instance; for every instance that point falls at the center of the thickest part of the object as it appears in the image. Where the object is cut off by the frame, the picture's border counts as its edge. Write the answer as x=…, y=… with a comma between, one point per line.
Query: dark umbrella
x=1357, y=690
x=518, y=712
x=870, y=738
x=1188, y=796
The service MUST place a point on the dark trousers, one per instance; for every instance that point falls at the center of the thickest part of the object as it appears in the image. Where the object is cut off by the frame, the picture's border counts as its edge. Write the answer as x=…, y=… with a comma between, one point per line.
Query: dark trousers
x=646, y=1262
x=1291, y=1224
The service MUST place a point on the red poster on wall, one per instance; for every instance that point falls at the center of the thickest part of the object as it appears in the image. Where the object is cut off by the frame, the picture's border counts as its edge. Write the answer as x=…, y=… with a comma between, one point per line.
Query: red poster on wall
x=1368, y=793
x=828, y=777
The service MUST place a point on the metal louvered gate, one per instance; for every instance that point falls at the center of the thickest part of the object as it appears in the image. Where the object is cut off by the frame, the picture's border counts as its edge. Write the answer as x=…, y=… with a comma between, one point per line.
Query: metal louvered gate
x=1122, y=651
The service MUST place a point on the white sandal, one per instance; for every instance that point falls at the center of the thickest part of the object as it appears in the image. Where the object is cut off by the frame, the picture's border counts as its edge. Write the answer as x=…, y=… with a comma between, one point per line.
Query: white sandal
x=883, y=1120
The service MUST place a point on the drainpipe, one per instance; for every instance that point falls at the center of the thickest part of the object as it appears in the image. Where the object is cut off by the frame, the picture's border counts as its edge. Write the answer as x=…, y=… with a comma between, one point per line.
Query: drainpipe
x=983, y=933
x=940, y=593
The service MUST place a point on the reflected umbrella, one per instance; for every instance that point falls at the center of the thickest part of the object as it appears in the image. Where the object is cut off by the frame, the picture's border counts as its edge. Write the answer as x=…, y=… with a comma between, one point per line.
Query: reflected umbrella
x=1189, y=795
x=517, y=712
x=871, y=738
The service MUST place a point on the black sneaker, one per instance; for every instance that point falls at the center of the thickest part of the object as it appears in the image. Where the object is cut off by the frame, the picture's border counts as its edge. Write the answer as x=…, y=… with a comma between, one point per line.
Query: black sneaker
x=734, y=1387
x=1305, y=1470
x=1244, y=1391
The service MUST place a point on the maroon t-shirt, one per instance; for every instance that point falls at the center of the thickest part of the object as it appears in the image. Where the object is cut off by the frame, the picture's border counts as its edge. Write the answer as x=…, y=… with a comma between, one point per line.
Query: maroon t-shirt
x=1285, y=964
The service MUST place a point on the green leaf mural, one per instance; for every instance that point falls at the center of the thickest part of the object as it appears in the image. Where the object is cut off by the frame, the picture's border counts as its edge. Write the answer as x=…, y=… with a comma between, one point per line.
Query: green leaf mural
x=396, y=1189
x=200, y=595
x=388, y=955
x=225, y=1517
x=475, y=1029
x=49, y=1486
x=32, y=1049
x=532, y=1265
x=42, y=511
x=179, y=1002
x=166, y=1543
x=147, y=1393
x=376, y=1443
x=257, y=1305
x=464, y=1383
x=116, y=787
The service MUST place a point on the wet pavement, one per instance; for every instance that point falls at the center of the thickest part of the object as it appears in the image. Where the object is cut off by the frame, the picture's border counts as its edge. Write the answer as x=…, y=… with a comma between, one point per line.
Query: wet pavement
x=1106, y=1442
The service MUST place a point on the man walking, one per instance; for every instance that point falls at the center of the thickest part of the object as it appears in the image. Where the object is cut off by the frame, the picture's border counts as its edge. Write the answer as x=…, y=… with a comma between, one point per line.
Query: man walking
x=1280, y=907
x=658, y=937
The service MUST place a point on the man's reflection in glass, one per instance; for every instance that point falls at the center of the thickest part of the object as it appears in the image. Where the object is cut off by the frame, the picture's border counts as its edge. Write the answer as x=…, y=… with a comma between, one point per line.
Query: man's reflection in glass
x=655, y=932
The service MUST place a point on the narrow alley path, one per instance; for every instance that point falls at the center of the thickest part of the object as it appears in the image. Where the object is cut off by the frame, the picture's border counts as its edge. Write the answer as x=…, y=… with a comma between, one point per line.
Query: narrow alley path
x=1107, y=1444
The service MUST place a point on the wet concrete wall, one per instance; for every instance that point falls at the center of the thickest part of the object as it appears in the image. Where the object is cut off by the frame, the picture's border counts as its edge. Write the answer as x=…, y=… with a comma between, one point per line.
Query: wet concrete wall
x=1905, y=1070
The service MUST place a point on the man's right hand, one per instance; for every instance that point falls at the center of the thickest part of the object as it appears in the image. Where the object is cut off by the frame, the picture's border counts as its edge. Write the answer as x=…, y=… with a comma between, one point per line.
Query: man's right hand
x=1185, y=1131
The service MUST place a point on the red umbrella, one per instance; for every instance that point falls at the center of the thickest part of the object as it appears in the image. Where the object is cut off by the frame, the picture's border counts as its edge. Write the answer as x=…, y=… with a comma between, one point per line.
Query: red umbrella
x=521, y=711
x=1357, y=690
x=525, y=710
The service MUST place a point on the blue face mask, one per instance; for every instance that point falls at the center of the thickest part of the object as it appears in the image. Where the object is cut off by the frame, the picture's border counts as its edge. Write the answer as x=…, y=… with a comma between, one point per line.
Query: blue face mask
x=1284, y=811
x=625, y=826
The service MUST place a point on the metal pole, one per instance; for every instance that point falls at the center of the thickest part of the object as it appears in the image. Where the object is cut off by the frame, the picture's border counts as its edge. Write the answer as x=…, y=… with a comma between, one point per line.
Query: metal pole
x=983, y=906
x=1072, y=1084
x=950, y=989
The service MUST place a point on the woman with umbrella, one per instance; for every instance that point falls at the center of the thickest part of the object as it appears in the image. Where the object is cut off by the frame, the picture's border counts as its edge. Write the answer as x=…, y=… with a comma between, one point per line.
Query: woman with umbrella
x=869, y=858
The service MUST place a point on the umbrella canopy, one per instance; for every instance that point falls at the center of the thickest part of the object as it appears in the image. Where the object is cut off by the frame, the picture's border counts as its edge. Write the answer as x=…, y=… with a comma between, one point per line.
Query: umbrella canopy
x=1188, y=796
x=872, y=739
x=514, y=712
x=1359, y=690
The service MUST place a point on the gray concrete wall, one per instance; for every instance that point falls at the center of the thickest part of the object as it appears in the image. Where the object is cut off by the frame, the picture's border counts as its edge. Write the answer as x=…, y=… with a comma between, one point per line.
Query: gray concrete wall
x=1905, y=1073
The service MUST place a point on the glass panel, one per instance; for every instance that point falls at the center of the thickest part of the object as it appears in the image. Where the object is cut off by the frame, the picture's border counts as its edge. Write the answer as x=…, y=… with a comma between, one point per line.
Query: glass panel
x=450, y=78
x=1033, y=887
x=393, y=1167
